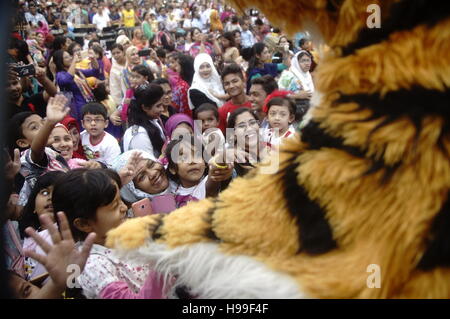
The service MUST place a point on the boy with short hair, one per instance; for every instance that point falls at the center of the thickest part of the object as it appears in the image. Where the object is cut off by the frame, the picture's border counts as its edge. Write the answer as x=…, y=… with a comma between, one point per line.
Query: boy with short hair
x=97, y=144
x=234, y=85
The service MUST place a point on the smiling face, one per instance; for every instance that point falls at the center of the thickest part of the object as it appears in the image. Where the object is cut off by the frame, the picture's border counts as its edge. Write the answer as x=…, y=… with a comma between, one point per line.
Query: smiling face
x=152, y=179
x=14, y=89
x=133, y=56
x=118, y=55
x=67, y=59
x=233, y=84
x=136, y=79
x=205, y=70
x=154, y=111
x=167, y=97
x=257, y=97
x=196, y=35
x=61, y=140
x=246, y=131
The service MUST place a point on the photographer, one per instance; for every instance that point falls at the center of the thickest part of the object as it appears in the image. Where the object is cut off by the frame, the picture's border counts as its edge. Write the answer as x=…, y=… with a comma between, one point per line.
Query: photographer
x=36, y=103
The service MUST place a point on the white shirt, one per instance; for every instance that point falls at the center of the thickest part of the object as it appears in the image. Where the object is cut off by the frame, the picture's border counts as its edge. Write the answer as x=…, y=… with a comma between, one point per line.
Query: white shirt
x=273, y=139
x=106, y=151
x=101, y=21
x=115, y=81
x=198, y=191
x=104, y=267
x=136, y=138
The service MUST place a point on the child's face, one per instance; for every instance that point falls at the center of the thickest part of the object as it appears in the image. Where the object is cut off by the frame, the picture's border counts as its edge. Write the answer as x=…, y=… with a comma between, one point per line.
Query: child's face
x=30, y=128
x=21, y=288
x=94, y=124
x=108, y=217
x=61, y=141
x=75, y=134
x=280, y=117
x=154, y=111
x=136, y=79
x=43, y=203
x=190, y=168
x=181, y=130
x=152, y=179
x=208, y=119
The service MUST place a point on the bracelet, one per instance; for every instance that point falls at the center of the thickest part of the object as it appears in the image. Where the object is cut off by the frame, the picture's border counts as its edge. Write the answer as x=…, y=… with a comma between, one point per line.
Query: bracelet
x=217, y=165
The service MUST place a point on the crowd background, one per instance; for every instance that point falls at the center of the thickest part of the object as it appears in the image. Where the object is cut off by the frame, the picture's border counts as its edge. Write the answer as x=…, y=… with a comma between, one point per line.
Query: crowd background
x=102, y=94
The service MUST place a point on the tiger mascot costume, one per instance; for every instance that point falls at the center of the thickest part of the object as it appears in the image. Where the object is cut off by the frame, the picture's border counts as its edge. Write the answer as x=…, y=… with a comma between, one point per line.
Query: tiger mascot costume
x=365, y=183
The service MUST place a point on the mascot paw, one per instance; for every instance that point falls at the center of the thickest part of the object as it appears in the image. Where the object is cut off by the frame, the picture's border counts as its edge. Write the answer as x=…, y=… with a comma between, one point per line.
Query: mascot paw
x=133, y=233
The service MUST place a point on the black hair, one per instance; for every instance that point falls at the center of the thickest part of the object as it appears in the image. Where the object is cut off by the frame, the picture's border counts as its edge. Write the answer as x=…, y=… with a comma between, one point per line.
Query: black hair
x=267, y=82
x=232, y=68
x=161, y=81
x=72, y=46
x=172, y=162
x=257, y=48
x=302, y=42
x=98, y=50
x=259, y=22
x=161, y=53
x=303, y=53
x=187, y=67
x=192, y=31
x=234, y=19
x=94, y=108
x=29, y=217
x=92, y=41
x=117, y=46
x=206, y=107
x=15, y=131
x=58, y=43
x=100, y=92
x=230, y=37
x=231, y=122
x=147, y=97
x=144, y=71
x=58, y=59
x=81, y=192
x=285, y=101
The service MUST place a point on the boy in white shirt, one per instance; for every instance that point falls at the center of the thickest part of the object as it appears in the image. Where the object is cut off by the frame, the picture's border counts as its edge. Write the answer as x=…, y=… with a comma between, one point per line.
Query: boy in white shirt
x=97, y=143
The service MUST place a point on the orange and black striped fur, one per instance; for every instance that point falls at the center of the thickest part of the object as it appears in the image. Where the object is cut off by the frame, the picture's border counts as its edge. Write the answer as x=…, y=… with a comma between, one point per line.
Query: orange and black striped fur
x=366, y=182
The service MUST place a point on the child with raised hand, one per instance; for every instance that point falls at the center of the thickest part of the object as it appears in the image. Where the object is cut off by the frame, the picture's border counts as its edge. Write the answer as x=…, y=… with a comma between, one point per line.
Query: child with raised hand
x=58, y=256
x=280, y=111
x=91, y=200
x=191, y=180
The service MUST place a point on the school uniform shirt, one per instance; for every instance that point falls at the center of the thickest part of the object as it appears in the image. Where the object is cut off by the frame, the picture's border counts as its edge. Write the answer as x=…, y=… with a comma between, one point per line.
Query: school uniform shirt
x=271, y=139
x=105, y=151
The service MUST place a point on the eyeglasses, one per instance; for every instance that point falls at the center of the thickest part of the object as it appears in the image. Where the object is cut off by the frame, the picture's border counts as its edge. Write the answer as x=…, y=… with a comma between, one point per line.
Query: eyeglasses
x=250, y=123
x=88, y=120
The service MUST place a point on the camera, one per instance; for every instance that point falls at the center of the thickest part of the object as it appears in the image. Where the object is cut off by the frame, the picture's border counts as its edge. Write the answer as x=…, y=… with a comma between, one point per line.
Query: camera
x=24, y=70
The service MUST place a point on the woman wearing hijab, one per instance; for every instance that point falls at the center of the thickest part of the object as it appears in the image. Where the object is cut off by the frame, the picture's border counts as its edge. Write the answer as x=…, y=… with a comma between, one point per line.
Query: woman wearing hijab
x=206, y=86
x=298, y=79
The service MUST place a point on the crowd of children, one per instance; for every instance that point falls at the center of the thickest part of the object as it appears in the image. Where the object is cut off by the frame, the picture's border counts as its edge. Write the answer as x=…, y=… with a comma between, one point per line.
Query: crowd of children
x=169, y=116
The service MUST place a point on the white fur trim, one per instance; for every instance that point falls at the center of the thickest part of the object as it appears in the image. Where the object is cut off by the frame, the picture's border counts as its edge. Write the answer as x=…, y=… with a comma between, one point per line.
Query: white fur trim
x=212, y=274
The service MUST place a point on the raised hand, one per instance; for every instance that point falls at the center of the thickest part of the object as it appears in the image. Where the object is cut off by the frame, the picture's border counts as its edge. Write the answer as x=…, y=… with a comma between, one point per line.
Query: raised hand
x=12, y=167
x=57, y=109
x=133, y=166
x=62, y=253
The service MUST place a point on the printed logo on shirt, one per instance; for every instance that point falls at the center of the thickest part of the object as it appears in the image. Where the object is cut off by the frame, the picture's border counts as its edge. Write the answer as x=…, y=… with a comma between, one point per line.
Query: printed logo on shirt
x=90, y=154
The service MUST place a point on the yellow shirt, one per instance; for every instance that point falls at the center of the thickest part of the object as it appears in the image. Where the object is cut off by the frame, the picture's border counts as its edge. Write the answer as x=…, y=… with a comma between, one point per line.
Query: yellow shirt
x=128, y=18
